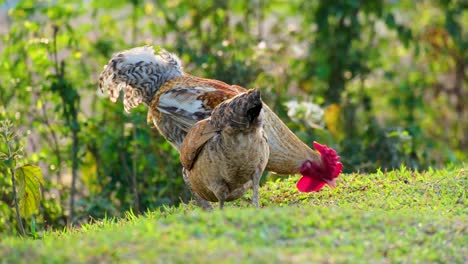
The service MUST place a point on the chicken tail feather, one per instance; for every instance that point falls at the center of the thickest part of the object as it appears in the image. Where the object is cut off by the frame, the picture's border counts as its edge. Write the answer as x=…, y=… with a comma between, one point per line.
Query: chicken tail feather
x=139, y=73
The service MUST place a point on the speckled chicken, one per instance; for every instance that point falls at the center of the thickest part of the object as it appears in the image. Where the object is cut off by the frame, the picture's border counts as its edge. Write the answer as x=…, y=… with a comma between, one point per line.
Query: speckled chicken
x=226, y=153
x=177, y=101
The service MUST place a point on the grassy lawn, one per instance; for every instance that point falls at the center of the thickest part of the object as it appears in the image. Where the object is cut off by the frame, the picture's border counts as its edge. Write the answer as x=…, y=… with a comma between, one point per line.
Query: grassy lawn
x=393, y=217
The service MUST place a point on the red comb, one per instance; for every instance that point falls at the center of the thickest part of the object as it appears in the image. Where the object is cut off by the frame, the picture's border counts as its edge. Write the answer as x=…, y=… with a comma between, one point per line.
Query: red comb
x=315, y=176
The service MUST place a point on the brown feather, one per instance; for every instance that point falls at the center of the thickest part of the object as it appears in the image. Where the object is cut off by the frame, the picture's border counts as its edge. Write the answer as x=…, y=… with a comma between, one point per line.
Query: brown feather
x=194, y=141
x=287, y=151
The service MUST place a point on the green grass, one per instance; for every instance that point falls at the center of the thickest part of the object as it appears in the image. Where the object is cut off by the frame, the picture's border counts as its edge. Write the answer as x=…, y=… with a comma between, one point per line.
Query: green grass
x=394, y=217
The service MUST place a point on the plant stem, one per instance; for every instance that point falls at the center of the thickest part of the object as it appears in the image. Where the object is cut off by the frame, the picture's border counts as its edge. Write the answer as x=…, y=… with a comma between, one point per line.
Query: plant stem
x=74, y=175
x=134, y=22
x=15, y=196
x=18, y=217
x=260, y=20
x=134, y=170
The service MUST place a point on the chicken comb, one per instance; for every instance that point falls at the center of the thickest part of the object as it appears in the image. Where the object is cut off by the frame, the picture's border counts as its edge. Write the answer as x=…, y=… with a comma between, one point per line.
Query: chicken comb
x=315, y=175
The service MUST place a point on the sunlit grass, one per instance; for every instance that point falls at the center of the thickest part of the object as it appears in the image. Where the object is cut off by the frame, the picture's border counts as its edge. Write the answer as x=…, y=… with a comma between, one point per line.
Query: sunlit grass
x=399, y=216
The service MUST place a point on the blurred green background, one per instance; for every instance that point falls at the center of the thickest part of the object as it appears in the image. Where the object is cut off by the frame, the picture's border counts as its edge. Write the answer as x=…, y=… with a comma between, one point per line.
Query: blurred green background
x=383, y=82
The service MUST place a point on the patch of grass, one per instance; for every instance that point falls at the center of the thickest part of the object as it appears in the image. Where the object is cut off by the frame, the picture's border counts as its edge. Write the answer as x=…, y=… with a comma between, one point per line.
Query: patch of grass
x=400, y=216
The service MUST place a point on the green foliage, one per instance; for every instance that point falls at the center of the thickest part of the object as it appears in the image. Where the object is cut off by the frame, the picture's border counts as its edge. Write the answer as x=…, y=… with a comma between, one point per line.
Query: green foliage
x=389, y=79
x=29, y=178
x=26, y=179
x=399, y=216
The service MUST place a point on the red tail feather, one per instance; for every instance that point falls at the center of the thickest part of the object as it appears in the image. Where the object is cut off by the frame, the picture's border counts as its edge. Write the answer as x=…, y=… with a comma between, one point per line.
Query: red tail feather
x=315, y=176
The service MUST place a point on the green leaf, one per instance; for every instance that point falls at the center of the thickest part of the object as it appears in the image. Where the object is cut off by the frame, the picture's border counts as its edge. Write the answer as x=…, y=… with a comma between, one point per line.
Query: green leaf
x=390, y=21
x=29, y=178
x=3, y=156
x=9, y=162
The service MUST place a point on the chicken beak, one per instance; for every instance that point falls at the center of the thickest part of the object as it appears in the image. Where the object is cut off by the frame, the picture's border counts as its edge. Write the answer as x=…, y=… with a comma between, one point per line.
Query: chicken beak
x=331, y=183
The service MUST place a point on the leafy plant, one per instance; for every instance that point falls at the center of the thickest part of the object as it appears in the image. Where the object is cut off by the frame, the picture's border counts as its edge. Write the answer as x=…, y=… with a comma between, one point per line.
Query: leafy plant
x=26, y=179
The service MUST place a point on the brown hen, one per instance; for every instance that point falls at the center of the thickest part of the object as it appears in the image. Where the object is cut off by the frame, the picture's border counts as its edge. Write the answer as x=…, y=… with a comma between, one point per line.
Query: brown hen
x=226, y=153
